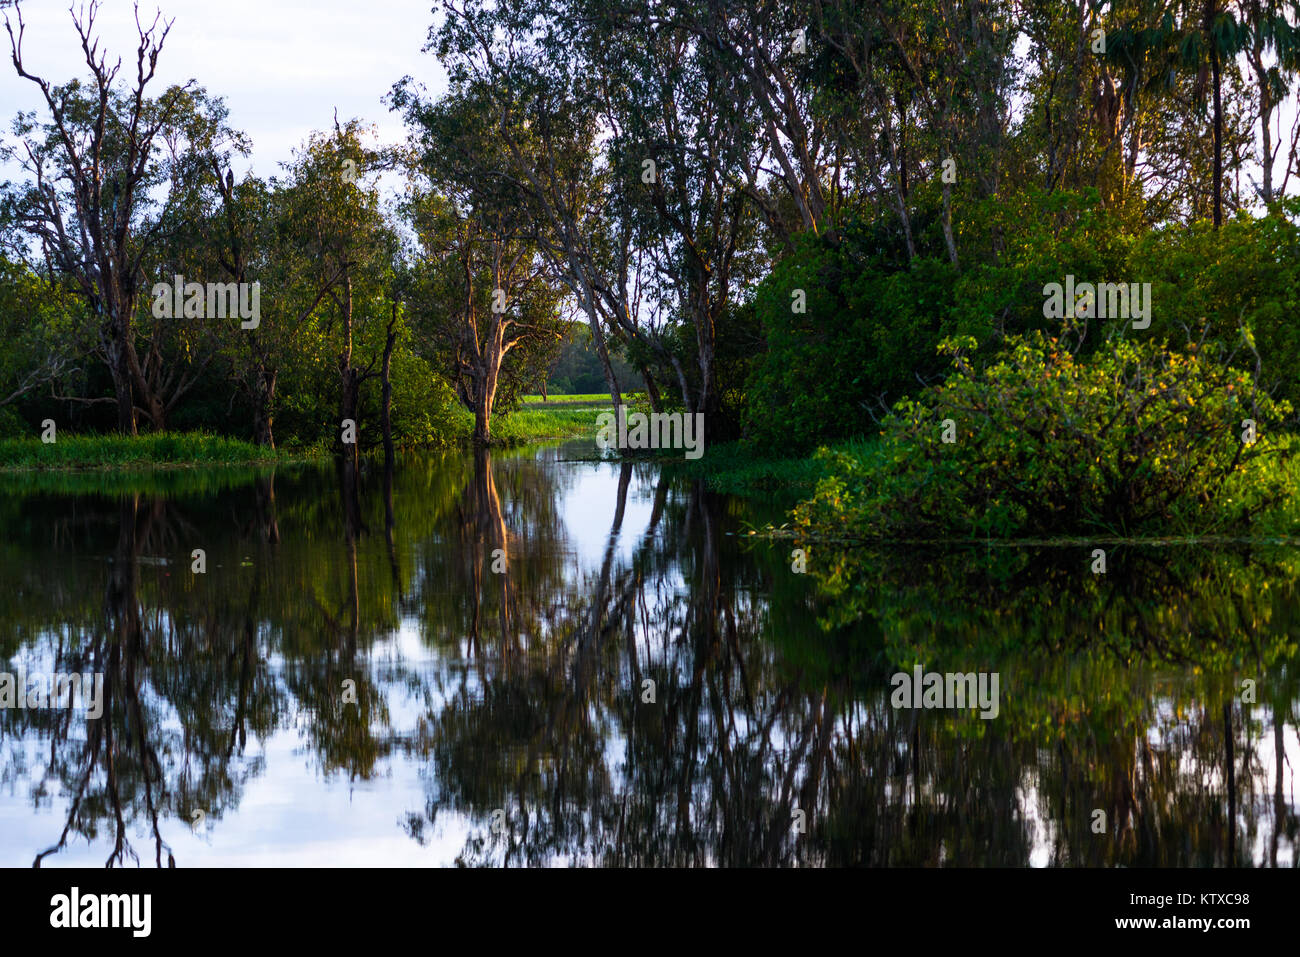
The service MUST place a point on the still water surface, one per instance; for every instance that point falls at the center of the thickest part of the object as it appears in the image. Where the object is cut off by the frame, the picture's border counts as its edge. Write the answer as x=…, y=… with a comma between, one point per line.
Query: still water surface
x=537, y=658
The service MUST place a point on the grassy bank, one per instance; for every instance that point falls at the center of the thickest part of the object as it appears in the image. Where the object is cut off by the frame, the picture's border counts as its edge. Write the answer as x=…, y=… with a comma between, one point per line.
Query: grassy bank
x=167, y=450
x=197, y=449
x=586, y=398
x=536, y=421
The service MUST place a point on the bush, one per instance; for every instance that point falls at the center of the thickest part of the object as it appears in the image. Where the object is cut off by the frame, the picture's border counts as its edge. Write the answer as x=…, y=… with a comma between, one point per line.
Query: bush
x=1244, y=275
x=1135, y=438
x=866, y=333
x=873, y=320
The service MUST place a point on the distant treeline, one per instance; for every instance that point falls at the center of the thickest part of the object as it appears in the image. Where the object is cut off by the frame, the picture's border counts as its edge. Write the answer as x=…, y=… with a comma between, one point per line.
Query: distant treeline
x=577, y=369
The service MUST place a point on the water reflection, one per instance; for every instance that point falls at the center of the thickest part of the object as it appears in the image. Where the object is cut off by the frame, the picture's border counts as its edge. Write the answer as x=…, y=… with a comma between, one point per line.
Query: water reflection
x=526, y=659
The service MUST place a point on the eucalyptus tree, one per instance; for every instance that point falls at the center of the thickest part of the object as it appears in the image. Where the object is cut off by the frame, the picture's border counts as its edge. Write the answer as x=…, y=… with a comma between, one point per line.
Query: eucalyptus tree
x=932, y=84
x=650, y=261
x=1078, y=129
x=1272, y=50
x=251, y=235
x=105, y=170
x=794, y=171
x=682, y=132
x=548, y=121
x=491, y=311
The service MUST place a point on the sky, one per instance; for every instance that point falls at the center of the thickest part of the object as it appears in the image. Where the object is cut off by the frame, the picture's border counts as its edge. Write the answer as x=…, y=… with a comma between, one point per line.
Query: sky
x=282, y=66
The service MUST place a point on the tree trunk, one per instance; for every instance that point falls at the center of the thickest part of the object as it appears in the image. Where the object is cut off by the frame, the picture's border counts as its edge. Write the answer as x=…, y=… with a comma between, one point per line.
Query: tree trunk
x=1218, y=129
x=651, y=390
x=482, y=420
x=157, y=412
x=122, y=389
x=900, y=188
x=1266, y=128
x=262, y=417
x=348, y=410
x=948, y=238
x=602, y=353
x=388, y=393
x=151, y=402
x=349, y=385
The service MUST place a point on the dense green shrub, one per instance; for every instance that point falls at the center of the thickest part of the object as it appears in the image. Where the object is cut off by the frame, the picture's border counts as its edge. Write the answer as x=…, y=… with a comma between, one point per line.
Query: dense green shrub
x=873, y=320
x=1216, y=282
x=861, y=340
x=1136, y=438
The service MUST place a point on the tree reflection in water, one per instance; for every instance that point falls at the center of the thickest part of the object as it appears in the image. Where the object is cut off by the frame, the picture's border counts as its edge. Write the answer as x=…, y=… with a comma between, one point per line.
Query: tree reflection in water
x=495, y=646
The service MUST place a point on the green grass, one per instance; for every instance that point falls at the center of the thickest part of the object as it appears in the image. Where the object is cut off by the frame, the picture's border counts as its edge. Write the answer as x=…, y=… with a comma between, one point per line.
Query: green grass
x=161, y=450
x=561, y=397
x=190, y=449
x=737, y=469
x=592, y=399
x=528, y=424
x=535, y=424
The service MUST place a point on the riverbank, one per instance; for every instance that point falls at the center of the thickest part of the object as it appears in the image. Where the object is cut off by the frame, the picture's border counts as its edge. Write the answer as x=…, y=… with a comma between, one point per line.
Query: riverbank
x=164, y=450
x=176, y=450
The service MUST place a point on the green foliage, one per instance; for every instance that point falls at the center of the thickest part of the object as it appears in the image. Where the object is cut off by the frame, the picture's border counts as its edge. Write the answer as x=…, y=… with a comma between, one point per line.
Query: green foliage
x=11, y=424
x=873, y=321
x=736, y=468
x=817, y=369
x=1244, y=276
x=1135, y=438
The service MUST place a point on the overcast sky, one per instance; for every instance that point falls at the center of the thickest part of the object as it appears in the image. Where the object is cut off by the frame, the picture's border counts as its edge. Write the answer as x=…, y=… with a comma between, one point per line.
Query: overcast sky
x=282, y=66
